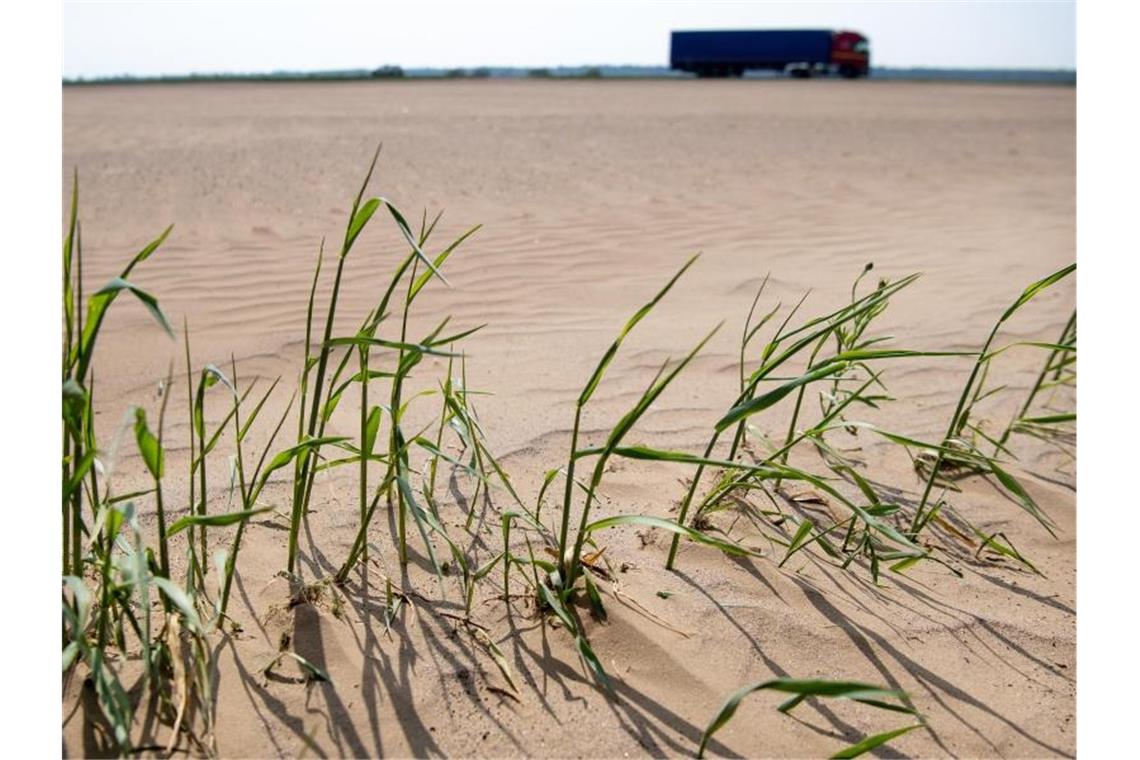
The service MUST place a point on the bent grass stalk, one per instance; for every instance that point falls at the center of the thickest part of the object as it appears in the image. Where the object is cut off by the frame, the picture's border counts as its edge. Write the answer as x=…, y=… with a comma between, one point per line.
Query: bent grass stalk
x=584, y=397
x=867, y=694
x=1059, y=357
x=563, y=576
x=572, y=562
x=1006, y=480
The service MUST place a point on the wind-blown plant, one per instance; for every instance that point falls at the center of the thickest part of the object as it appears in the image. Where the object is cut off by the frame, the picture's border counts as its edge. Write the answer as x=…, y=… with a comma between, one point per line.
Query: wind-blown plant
x=1059, y=370
x=559, y=589
x=846, y=325
x=104, y=542
x=953, y=439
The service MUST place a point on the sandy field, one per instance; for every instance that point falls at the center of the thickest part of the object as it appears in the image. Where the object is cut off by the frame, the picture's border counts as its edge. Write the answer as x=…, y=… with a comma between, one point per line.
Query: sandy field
x=591, y=195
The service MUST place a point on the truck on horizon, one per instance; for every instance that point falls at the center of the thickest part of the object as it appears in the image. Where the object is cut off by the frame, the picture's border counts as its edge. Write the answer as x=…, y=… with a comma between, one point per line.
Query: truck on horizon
x=796, y=52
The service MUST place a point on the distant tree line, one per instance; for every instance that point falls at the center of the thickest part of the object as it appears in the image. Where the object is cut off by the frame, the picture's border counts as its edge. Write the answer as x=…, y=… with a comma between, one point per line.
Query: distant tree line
x=481, y=72
x=388, y=72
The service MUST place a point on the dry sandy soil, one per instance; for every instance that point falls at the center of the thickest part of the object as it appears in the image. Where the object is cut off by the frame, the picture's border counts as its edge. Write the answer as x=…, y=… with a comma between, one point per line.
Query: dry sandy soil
x=590, y=196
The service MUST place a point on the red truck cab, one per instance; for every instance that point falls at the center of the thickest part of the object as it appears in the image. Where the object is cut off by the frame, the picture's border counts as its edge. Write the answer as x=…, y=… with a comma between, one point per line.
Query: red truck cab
x=850, y=54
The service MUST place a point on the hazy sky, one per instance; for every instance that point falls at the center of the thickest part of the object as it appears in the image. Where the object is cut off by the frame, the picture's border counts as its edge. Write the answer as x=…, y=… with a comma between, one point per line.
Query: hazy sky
x=172, y=37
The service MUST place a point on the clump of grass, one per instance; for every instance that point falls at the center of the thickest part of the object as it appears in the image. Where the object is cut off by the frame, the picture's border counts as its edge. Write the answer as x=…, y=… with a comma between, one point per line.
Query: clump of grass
x=1058, y=370
x=833, y=404
x=81, y=331
x=854, y=379
x=957, y=454
x=557, y=592
x=811, y=335
x=849, y=363
x=322, y=391
x=958, y=421
x=385, y=421
x=100, y=626
x=111, y=572
x=570, y=554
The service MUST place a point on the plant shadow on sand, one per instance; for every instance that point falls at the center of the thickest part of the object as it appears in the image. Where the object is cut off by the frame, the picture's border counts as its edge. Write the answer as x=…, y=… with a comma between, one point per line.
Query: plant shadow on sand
x=380, y=674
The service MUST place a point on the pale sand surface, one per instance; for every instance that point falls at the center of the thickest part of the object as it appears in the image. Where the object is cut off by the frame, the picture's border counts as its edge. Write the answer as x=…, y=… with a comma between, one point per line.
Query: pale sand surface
x=591, y=195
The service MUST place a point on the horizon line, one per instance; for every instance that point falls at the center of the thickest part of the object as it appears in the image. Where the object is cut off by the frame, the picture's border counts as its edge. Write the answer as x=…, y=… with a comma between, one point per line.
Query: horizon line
x=443, y=71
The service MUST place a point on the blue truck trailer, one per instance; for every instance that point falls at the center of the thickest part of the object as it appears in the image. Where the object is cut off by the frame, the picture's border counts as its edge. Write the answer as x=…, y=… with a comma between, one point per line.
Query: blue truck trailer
x=798, y=52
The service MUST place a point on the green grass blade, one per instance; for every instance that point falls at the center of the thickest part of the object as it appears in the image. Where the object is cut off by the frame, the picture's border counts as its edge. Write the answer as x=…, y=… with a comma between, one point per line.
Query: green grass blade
x=406, y=231
x=117, y=285
x=1049, y=419
x=371, y=428
x=146, y=251
x=871, y=742
x=214, y=521
x=1022, y=496
x=1035, y=289
x=759, y=403
x=802, y=689
x=149, y=446
x=359, y=220
x=672, y=527
x=798, y=540
x=425, y=277
x=599, y=371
